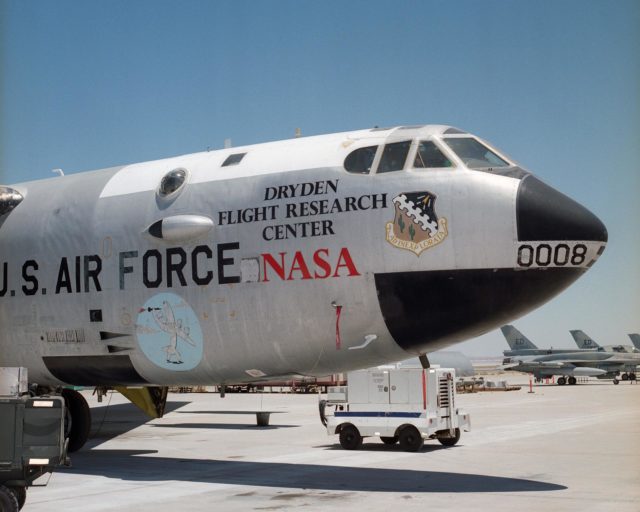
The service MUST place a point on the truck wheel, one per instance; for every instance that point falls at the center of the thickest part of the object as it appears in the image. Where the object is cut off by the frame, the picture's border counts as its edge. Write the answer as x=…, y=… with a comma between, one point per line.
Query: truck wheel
x=572, y=380
x=450, y=441
x=616, y=381
x=78, y=419
x=350, y=438
x=410, y=439
x=625, y=376
x=632, y=376
x=561, y=381
x=389, y=440
x=8, y=500
x=20, y=494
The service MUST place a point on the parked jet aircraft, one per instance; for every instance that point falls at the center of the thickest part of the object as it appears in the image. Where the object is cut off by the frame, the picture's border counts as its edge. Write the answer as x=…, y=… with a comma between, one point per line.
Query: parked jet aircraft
x=526, y=357
x=584, y=341
x=307, y=256
x=520, y=345
x=567, y=363
x=635, y=339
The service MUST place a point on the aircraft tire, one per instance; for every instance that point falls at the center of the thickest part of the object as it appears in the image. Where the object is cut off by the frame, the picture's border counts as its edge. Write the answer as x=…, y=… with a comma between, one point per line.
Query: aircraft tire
x=78, y=419
x=21, y=495
x=616, y=381
x=350, y=438
x=410, y=439
x=572, y=381
x=561, y=381
x=8, y=500
x=450, y=441
x=389, y=440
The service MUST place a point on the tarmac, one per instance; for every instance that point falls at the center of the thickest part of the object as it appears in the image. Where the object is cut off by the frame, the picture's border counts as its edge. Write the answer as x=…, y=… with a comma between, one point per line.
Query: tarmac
x=560, y=448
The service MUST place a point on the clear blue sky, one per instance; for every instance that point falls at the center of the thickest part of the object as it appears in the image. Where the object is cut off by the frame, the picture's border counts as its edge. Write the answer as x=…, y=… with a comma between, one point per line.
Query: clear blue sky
x=555, y=84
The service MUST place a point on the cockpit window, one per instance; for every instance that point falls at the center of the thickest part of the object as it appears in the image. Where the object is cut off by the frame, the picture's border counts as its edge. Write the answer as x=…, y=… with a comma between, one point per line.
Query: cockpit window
x=429, y=155
x=360, y=160
x=474, y=154
x=394, y=156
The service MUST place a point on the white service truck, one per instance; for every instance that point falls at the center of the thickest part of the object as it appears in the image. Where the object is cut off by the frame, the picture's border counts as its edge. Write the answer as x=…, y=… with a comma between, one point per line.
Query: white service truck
x=405, y=405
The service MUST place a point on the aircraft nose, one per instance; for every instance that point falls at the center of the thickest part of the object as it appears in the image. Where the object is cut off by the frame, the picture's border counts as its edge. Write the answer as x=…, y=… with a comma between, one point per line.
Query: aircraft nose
x=544, y=214
x=559, y=240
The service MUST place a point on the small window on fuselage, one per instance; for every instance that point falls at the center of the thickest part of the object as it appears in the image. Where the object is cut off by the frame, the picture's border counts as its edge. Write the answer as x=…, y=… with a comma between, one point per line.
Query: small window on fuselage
x=430, y=156
x=233, y=159
x=394, y=156
x=360, y=160
x=172, y=182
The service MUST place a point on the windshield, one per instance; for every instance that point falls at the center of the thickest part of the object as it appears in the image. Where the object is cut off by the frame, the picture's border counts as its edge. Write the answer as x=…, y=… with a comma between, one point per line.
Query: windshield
x=474, y=154
x=360, y=160
x=428, y=155
x=394, y=156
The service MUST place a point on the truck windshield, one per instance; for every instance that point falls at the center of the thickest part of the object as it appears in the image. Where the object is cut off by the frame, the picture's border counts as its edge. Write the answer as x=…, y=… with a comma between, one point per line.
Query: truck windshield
x=474, y=154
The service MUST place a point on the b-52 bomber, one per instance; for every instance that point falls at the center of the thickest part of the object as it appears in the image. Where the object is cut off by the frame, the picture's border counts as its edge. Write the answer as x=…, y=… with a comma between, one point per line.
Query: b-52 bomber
x=307, y=256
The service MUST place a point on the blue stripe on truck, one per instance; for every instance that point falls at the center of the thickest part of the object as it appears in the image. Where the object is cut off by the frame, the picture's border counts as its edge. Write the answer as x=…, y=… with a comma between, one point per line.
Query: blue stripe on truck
x=338, y=414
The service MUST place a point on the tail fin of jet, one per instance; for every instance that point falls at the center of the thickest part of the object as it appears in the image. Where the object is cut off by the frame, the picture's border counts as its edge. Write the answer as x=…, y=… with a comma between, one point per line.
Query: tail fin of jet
x=583, y=340
x=635, y=339
x=515, y=338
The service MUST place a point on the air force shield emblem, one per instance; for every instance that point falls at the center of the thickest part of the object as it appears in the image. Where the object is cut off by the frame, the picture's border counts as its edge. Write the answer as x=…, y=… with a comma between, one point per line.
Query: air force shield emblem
x=416, y=226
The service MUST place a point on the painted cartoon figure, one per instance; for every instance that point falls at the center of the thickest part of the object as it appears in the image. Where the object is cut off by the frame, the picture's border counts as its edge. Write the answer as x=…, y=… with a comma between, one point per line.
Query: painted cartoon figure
x=169, y=332
x=166, y=320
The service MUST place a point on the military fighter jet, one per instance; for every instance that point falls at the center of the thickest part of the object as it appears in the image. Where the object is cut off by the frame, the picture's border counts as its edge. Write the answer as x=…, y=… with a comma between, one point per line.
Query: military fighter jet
x=627, y=354
x=635, y=339
x=567, y=363
x=520, y=345
x=308, y=256
x=584, y=341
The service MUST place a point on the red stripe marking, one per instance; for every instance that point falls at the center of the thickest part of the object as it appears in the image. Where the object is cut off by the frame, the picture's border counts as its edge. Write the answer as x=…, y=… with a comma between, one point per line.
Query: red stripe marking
x=338, y=341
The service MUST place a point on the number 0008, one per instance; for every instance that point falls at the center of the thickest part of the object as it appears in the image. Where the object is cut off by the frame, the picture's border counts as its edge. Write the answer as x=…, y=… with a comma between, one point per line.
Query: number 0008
x=544, y=255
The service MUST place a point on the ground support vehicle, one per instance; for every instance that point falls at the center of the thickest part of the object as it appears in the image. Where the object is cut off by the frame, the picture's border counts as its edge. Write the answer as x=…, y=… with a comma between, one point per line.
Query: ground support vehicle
x=404, y=406
x=32, y=443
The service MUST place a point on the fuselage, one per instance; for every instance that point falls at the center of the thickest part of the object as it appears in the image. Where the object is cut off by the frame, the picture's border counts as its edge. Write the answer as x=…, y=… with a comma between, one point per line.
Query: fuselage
x=308, y=256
